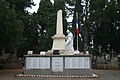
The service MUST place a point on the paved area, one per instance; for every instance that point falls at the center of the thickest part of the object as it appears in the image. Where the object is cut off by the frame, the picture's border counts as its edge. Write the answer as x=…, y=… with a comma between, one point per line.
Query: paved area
x=103, y=74
x=67, y=72
x=109, y=74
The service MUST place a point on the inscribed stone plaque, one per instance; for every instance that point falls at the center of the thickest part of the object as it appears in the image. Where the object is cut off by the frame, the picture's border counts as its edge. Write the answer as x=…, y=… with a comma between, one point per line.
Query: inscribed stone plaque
x=37, y=63
x=44, y=63
x=57, y=64
x=77, y=63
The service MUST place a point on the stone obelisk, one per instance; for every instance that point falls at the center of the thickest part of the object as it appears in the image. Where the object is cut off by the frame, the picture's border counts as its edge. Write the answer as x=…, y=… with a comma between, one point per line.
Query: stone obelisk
x=59, y=37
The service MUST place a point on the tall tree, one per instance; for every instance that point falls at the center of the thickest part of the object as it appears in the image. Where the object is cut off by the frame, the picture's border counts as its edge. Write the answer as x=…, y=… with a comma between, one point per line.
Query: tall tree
x=105, y=19
x=11, y=28
x=12, y=23
x=46, y=17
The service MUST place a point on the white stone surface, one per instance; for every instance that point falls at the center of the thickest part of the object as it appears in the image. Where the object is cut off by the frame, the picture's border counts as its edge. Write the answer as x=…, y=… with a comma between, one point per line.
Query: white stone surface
x=59, y=28
x=77, y=63
x=59, y=37
x=57, y=64
x=58, y=43
x=30, y=52
x=76, y=52
x=42, y=53
x=69, y=42
x=37, y=63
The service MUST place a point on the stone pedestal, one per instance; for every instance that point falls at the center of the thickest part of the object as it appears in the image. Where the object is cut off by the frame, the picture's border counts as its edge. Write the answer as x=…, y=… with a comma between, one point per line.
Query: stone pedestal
x=58, y=42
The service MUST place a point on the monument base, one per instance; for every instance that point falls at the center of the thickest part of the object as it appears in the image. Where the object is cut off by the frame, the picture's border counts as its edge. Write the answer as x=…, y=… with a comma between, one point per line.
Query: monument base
x=57, y=63
x=58, y=66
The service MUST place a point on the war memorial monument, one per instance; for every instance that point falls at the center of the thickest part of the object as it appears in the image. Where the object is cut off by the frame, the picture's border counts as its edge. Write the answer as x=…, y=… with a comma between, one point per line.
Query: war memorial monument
x=59, y=61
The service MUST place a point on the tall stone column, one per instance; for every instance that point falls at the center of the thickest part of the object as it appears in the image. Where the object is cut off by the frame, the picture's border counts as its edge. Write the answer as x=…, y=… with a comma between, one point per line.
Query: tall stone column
x=59, y=37
x=59, y=26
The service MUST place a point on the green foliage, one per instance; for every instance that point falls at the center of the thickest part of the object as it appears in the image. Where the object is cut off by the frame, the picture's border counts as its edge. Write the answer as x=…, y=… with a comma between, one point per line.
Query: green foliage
x=12, y=24
x=46, y=18
x=11, y=28
x=95, y=52
x=106, y=17
x=20, y=5
x=30, y=33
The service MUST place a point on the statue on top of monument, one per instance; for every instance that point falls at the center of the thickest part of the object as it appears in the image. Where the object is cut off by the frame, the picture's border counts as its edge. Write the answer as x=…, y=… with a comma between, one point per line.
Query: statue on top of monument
x=69, y=41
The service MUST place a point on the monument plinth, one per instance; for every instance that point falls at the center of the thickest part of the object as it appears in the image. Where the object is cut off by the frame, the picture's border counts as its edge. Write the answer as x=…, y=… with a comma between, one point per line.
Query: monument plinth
x=59, y=37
